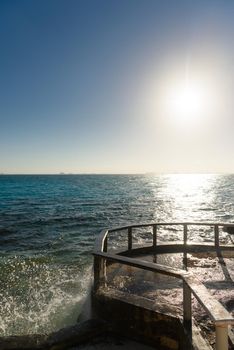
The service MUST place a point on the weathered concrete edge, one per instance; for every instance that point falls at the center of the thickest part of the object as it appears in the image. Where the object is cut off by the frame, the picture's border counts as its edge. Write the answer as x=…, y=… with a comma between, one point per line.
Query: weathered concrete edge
x=140, y=322
x=62, y=339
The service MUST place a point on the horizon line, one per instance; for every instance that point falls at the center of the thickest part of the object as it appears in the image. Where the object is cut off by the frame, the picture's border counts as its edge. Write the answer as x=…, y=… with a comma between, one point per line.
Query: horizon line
x=124, y=173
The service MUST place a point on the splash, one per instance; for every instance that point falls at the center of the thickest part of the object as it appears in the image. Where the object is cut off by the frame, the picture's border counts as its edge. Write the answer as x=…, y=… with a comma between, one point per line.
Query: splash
x=38, y=296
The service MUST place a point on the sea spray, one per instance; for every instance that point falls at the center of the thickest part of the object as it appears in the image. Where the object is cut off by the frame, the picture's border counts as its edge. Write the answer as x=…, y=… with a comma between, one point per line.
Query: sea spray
x=40, y=297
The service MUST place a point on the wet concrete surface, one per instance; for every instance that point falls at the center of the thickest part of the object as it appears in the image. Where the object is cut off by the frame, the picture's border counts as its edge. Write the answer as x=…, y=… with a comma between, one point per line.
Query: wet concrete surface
x=214, y=270
x=112, y=343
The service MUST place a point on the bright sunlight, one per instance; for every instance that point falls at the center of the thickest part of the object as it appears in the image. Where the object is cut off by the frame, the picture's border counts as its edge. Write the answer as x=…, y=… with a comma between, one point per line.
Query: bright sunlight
x=188, y=104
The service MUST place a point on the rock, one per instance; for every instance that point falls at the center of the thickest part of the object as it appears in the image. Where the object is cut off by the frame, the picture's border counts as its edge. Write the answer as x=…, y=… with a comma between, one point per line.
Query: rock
x=229, y=229
x=76, y=334
x=228, y=303
x=69, y=336
x=27, y=342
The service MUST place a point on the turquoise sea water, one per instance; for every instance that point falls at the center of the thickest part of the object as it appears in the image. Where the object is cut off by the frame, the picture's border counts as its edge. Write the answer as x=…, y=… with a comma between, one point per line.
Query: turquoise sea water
x=48, y=225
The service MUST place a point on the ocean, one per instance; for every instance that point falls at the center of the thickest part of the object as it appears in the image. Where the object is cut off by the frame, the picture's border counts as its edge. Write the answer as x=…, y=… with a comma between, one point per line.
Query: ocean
x=48, y=225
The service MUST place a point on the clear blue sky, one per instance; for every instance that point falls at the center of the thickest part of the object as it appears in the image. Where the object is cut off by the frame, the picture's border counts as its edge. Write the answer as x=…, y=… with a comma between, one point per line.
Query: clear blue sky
x=81, y=80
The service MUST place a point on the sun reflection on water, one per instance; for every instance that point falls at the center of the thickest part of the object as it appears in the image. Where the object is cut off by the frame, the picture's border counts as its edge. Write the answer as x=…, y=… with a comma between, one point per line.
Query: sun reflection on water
x=185, y=195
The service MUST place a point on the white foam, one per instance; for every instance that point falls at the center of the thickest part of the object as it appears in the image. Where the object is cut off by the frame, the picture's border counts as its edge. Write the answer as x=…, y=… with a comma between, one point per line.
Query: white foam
x=40, y=298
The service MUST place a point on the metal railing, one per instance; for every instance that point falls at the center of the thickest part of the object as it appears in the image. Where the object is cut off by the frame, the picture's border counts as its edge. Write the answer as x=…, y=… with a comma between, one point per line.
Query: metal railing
x=102, y=240
x=191, y=285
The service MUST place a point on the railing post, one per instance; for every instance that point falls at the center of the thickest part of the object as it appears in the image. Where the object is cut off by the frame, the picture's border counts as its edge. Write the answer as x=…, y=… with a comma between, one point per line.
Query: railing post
x=100, y=278
x=130, y=238
x=154, y=236
x=216, y=230
x=105, y=245
x=103, y=278
x=187, y=309
x=96, y=268
x=221, y=332
x=155, y=242
x=185, y=234
x=185, y=245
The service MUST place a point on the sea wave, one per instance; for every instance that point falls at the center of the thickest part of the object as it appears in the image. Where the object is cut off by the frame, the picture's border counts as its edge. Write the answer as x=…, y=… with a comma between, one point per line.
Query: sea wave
x=48, y=225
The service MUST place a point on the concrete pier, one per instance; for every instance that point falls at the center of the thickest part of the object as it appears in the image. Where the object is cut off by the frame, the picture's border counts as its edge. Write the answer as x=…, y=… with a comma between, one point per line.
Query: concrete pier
x=152, y=302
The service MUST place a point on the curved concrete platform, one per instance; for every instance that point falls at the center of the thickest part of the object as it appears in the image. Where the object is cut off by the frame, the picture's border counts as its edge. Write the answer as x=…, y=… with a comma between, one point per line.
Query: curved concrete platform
x=153, y=286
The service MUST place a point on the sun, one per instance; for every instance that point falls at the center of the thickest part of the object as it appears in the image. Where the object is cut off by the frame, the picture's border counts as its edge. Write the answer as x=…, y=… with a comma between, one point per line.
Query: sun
x=187, y=104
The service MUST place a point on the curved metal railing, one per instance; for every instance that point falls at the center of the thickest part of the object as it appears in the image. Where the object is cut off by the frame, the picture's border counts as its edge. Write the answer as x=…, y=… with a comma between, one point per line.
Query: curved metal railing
x=191, y=285
x=102, y=240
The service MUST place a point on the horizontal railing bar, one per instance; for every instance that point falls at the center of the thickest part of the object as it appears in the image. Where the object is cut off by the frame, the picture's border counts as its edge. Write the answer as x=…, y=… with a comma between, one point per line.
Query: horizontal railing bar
x=99, y=242
x=217, y=313
x=176, y=247
x=190, y=223
x=145, y=265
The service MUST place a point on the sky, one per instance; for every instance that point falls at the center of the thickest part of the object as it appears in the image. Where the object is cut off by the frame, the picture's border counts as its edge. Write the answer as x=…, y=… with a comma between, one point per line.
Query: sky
x=116, y=86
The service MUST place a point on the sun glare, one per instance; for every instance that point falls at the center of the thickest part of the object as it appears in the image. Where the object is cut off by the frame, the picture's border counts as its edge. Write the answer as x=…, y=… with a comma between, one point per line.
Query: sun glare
x=187, y=104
